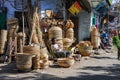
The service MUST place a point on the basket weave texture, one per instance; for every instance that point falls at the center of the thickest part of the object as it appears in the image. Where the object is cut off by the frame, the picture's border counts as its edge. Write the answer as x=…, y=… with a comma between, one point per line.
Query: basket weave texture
x=65, y=62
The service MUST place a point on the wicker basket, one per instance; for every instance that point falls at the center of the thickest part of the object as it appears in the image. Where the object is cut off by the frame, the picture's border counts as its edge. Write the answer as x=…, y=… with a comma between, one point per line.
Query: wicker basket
x=35, y=63
x=3, y=41
x=23, y=61
x=56, y=32
x=85, y=51
x=44, y=64
x=94, y=37
x=44, y=53
x=71, y=24
x=31, y=49
x=67, y=42
x=65, y=62
x=70, y=33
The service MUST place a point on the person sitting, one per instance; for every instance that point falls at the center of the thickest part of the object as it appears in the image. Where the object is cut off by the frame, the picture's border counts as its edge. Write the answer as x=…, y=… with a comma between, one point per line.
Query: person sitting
x=57, y=49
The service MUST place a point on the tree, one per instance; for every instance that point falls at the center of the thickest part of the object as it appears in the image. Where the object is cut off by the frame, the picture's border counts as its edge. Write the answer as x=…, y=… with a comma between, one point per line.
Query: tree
x=116, y=42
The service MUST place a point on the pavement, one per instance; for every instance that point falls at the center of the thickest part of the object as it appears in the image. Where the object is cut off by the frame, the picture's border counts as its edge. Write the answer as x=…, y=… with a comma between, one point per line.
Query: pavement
x=102, y=66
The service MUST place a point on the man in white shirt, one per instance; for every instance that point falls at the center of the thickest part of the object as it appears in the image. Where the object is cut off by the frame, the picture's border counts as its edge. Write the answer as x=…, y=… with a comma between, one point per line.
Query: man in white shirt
x=59, y=52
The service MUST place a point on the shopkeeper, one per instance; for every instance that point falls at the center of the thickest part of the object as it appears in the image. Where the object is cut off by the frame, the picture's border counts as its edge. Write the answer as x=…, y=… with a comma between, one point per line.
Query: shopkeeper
x=58, y=51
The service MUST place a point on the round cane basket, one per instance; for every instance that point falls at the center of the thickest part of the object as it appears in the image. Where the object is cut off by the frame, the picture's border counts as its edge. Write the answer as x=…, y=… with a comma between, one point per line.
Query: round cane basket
x=65, y=62
x=85, y=51
x=23, y=61
x=67, y=42
x=3, y=40
x=31, y=49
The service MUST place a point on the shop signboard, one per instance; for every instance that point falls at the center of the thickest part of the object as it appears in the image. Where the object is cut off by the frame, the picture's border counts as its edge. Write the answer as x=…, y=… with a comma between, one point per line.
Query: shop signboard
x=75, y=8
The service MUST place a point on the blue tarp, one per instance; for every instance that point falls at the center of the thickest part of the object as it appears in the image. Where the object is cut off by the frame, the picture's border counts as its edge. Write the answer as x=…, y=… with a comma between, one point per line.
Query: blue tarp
x=102, y=8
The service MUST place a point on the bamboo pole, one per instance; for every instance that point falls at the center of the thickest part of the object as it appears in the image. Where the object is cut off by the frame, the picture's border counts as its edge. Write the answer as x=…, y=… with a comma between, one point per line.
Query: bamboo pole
x=23, y=22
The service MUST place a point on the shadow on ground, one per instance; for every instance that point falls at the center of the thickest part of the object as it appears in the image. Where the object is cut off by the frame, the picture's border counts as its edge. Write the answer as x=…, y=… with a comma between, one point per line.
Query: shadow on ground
x=113, y=73
x=52, y=77
x=8, y=68
x=97, y=57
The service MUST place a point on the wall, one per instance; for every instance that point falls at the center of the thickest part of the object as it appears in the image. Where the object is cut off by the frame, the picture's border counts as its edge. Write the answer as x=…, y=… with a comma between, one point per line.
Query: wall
x=45, y=4
x=48, y=4
x=84, y=25
x=11, y=10
x=84, y=17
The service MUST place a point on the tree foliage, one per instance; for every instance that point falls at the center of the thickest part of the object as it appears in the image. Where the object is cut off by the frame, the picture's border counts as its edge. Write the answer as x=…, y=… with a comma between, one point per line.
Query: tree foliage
x=116, y=41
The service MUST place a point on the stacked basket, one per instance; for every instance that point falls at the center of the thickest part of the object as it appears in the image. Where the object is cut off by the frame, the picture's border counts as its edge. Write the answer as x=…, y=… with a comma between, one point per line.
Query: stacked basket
x=65, y=62
x=23, y=61
x=56, y=32
x=3, y=41
x=85, y=47
x=35, y=50
x=94, y=37
x=44, y=63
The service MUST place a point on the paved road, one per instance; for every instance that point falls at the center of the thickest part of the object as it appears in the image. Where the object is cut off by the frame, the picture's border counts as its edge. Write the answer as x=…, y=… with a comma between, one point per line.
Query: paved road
x=97, y=67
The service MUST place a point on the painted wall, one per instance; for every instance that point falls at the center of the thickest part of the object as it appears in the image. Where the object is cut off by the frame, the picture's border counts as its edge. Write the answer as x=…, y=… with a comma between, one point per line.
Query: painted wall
x=48, y=4
x=11, y=10
x=84, y=25
x=45, y=4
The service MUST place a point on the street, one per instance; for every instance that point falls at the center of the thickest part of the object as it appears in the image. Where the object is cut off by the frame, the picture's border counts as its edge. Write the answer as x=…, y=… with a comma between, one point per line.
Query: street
x=97, y=67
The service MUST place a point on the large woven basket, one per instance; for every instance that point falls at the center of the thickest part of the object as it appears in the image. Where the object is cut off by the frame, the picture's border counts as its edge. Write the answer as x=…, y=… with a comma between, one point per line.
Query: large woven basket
x=31, y=49
x=94, y=37
x=23, y=61
x=85, y=51
x=67, y=42
x=65, y=62
x=70, y=33
x=56, y=32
